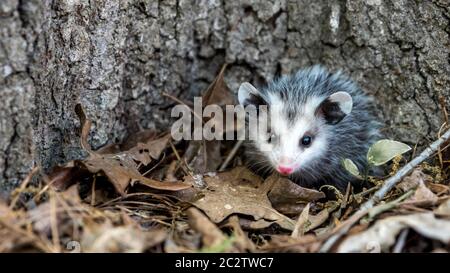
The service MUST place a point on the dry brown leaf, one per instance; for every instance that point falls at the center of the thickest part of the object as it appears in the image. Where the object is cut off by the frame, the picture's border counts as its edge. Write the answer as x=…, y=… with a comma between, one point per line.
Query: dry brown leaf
x=302, y=221
x=317, y=220
x=229, y=193
x=413, y=180
x=308, y=222
x=218, y=92
x=288, y=197
x=150, y=150
x=422, y=195
x=121, y=168
x=254, y=225
x=133, y=139
x=289, y=208
x=242, y=242
x=206, y=156
x=63, y=177
x=211, y=235
x=438, y=189
x=443, y=209
x=286, y=243
x=101, y=238
x=384, y=232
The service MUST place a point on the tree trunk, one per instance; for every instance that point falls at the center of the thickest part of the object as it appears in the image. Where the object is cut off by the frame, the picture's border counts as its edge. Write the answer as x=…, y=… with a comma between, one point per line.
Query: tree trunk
x=116, y=56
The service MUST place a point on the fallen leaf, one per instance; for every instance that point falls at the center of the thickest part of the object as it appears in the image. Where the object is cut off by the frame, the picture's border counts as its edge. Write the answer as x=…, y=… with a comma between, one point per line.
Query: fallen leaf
x=288, y=197
x=121, y=168
x=317, y=220
x=139, y=137
x=302, y=221
x=285, y=243
x=62, y=178
x=150, y=150
x=242, y=242
x=413, y=180
x=443, y=209
x=438, y=188
x=229, y=193
x=308, y=222
x=384, y=232
x=422, y=195
x=218, y=91
x=101, y=238
x=255, y=225
x=212, y=236
x=206, y=156
x=289, y=208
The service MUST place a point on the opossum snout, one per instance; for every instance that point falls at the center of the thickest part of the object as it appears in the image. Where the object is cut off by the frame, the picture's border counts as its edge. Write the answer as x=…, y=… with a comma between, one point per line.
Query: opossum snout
x=284, y=170
x=285, y=165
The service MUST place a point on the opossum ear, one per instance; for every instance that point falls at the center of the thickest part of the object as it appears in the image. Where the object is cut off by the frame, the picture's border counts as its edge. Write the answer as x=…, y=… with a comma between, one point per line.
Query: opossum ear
x=336, y=107
x=248, y=94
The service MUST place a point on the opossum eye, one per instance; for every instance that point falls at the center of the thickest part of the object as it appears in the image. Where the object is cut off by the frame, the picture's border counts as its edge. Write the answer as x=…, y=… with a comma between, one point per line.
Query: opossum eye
x=306, y=140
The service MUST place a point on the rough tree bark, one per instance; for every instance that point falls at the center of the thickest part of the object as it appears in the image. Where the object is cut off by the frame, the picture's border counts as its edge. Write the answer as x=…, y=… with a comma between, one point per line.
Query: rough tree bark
x=116, y=56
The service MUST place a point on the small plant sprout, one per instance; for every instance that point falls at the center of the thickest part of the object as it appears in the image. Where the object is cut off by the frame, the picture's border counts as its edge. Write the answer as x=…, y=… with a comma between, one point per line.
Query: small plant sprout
x=379, y=154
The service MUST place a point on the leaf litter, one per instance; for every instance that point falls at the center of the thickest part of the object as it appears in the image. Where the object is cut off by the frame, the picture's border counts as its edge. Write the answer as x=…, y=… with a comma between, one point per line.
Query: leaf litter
x=153, y=194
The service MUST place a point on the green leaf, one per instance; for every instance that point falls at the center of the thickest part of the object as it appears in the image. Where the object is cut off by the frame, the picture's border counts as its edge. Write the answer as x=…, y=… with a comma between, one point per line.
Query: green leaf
x=384, y=150
x=351, y=167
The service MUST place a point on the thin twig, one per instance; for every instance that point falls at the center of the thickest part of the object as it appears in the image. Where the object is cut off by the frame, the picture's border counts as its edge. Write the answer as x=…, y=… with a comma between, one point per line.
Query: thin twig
x=347, y=196
x=156, y=165
x=231, y=155
x=177, y=155
x=93, y=191
x=299, y=228
x=54, y=223
x=366, y=192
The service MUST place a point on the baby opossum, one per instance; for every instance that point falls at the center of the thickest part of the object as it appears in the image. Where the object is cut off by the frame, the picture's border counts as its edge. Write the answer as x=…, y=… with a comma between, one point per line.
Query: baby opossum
x=316, y=119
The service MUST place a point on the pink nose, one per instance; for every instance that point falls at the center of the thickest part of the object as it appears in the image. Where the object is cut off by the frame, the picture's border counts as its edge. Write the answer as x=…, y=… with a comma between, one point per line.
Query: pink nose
x=285, y=170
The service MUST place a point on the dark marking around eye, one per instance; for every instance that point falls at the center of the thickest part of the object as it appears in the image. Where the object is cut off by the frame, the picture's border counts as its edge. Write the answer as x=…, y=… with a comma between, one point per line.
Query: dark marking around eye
x=306, y=140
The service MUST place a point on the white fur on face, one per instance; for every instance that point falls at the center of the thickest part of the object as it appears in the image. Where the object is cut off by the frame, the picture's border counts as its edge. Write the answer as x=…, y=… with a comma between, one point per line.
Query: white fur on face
x=285, y=149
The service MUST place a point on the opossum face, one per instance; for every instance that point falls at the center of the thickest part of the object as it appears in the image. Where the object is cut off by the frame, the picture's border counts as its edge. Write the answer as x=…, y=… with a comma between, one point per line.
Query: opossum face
x=297, y=135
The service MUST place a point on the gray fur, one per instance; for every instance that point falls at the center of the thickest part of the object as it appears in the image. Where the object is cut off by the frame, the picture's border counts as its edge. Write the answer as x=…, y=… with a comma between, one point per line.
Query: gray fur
x=350, y=138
